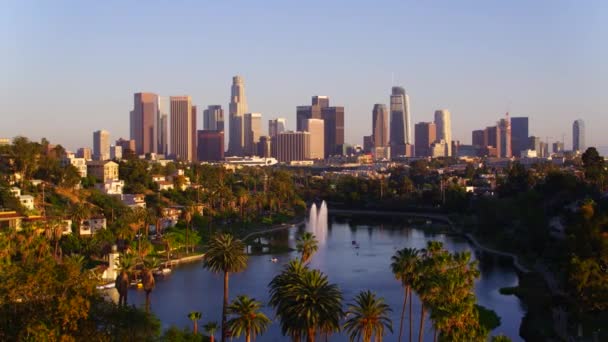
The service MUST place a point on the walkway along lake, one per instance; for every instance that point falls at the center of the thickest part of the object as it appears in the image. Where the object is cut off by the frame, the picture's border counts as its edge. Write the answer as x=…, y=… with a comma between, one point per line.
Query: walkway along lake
x=192, y=288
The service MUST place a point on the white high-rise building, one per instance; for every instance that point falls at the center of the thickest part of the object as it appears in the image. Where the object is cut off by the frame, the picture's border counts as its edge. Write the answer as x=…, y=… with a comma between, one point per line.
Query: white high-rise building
x=316, y=128
x=276, y=126
x=443, y=124
x=237, y=109
x=183, y=126
x=164, y=108
x=578, y=135
x=252, y=131
x=101, y=145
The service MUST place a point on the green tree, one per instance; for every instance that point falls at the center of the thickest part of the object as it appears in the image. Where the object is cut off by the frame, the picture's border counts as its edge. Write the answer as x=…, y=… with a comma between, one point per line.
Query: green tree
x=126, y=264
x=211, y=328
x=225, y=254
x=307, y=246
x=305, y=302
x=247, y=318
x=403, y=266
x=147, y=277
x=194, y=316
x=368, y=316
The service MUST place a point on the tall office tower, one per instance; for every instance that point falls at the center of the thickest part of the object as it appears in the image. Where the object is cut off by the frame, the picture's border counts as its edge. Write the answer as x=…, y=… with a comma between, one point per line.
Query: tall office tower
x=289, y=146
x=101, y=145
x=116, y=152
x=578, y=135
x=544, y=149
x=276, y=126
x=213, y=118
x=334, y=130
x=519, y=135
x=182, y=124
x=368, y=143
x=144, y=121
x=401, y=134
x=380, y=125
x=163, y=125
x=505, y=137
x=236, y=111
x=210, y=145
x=492, y=141
x=478, y=138
x=264, y=147
x=426, y=134
x=443, y=123
x=316, y=128
x=315, y=111
x=534, y=144
x=193, y=130
x=252, y=129
x=84, y=152
x=558, y=147
x=128, y=147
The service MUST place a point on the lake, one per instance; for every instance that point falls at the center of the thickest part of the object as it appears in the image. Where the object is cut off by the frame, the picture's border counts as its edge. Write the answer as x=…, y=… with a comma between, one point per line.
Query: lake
x=192, y=288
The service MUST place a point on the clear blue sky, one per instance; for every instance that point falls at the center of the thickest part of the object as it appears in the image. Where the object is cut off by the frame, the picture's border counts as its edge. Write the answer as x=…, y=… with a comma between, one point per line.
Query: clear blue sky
x=71, y=67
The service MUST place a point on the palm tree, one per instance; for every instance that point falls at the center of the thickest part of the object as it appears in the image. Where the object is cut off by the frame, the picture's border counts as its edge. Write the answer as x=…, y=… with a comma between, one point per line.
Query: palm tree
x=147, y=278
x=126, y=264
x=247, y=318
x=404, y=268
x=305, y=301
x=368, y=317
x=225, y=254
x=211, y=328
x=307, y=246
x=194, y=316
x=188, y=219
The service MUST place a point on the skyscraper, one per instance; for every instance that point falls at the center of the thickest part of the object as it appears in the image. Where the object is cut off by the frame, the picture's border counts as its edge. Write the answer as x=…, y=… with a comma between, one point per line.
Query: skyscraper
x=492, y=141
x=101, y=145
x=578, y=135
x=213, y=118
x=194, y=140
x=504, y=126
x=289, y=146
x=314, y=111
x=400, y=121
x=316, y=128
x=334, y=130
x=478, y=138
x=182, y=127
x=276, y=126
x=443, y=123
x=252, y=128
x=144, y=122
x=519, y=135
x=210, y=145
x=425, y=136
x=163, y=125
x=380, y=125
x=236, y=110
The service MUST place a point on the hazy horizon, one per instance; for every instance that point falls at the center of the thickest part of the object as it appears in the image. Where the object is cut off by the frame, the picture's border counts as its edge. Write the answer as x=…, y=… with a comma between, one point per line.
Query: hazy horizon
x=70, y=68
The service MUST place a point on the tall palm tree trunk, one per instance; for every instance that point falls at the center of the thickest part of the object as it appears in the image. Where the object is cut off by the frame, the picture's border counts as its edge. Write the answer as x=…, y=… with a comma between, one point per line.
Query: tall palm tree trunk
x=409, y=291
x=403, y=313
x=311, y=335
x=148, y=301
x=435, y=336
x=195, y=327
x=224, y=321
x=422, y=313
x=248, y=336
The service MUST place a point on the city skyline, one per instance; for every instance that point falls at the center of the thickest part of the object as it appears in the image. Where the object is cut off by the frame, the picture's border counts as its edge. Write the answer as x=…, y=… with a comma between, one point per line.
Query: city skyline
x=501, y=58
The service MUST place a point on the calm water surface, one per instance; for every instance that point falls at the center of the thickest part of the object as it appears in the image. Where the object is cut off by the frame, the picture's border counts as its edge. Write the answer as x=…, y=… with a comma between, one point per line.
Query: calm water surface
x=192, y=288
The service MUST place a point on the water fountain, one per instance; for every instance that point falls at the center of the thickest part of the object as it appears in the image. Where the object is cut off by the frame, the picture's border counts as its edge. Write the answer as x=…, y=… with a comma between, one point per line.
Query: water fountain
x=317, y=222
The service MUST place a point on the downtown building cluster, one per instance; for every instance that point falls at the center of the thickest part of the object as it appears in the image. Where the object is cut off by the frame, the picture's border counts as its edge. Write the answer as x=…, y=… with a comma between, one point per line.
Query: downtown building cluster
x=167, y=127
